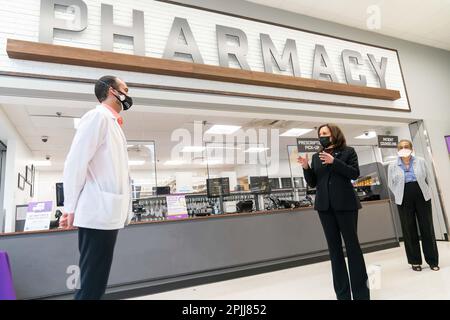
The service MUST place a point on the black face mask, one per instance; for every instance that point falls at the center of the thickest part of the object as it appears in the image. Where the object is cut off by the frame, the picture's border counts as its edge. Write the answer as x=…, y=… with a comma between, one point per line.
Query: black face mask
x=325, y=141
x=126, y=101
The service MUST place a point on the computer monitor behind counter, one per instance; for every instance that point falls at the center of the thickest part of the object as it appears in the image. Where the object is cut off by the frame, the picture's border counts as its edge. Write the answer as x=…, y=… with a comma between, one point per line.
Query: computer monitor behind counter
x=59, y=194
x=286, y=183
x=274, y=183
x=160, y=191
x=260, y=185
x=217, y=187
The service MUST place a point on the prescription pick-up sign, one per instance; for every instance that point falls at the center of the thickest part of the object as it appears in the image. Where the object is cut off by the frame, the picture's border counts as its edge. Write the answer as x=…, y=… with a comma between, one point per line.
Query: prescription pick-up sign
x=308, y=145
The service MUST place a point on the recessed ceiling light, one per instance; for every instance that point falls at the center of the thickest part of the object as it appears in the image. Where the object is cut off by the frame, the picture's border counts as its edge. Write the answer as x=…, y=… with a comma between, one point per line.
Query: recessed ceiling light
x=222, y=146
x=174, y=162
x=367, y=135
x=256, y=149
x=192, y=149
x=212, y=162
x=43, y=163
x=222, y=129
x=136, y=162
x=296, y=132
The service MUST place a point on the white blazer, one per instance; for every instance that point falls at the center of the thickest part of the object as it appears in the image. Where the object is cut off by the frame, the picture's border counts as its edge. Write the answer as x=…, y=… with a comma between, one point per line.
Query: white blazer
x=97, y=184
x=396, y=179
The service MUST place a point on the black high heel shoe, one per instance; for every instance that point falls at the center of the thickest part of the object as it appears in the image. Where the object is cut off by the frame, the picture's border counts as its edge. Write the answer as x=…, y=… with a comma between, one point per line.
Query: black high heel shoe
x=435, y=268
x=417, y=268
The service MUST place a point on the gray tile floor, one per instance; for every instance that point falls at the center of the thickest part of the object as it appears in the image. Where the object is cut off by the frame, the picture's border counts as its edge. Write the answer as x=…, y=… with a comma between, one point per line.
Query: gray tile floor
x=390, y=276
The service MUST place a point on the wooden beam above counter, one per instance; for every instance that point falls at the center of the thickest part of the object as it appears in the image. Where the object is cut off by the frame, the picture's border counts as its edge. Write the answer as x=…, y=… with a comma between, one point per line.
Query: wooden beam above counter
x=34, y=51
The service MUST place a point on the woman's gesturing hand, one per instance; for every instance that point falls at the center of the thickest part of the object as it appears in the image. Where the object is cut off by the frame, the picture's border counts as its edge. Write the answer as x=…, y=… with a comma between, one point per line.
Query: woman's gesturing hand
x=326, y=158
x=304, y=161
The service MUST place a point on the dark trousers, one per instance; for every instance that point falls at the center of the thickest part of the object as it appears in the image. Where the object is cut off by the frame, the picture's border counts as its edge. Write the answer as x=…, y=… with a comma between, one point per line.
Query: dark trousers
x=96, y=255
x=414, y=207
x=335, y=224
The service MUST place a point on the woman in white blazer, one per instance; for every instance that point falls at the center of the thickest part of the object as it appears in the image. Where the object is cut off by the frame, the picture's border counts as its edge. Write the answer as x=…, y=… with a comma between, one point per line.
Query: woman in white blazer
x=408, y=181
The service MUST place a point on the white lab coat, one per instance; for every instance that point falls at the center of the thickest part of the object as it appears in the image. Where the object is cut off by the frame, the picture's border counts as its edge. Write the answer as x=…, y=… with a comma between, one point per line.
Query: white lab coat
x=97, y=184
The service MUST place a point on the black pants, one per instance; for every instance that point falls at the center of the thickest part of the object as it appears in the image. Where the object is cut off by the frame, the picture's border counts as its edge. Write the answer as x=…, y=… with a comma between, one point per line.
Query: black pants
x=96, y=255
x=414, y=206
x=335, y=224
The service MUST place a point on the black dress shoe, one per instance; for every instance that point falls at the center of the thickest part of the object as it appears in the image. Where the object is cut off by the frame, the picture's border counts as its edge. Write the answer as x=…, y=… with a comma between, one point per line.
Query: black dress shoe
x=417, y=268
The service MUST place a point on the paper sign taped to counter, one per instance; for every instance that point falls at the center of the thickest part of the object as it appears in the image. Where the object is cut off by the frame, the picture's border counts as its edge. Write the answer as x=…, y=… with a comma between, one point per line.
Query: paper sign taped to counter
x=39, y=215
x=176, y=207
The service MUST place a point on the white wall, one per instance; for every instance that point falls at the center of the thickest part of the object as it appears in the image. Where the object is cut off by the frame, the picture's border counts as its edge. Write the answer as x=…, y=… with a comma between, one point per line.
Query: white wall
x=45, y=185
x=46, y=180
x=282, y=170
x=17, y=157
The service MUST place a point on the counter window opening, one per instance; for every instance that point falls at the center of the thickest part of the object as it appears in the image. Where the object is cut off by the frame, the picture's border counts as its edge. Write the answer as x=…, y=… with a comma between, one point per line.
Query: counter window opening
x=236, y=185
x=221, y=178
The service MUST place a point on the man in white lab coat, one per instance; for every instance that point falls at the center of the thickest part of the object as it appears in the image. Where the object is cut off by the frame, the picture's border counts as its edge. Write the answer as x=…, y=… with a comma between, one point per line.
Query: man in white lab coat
x=97, y=190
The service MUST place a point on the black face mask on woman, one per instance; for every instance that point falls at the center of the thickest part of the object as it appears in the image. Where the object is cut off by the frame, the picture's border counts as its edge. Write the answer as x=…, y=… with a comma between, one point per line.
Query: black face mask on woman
x=325, y=141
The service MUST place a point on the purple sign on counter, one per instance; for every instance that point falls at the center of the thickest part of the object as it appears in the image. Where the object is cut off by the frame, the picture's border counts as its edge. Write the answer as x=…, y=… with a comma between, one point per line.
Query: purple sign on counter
x=39, y=215
x=176, y=207
x=45, y=206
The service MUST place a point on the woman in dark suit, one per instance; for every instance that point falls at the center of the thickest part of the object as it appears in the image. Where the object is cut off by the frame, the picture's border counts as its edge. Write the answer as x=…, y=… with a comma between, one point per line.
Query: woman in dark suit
x=331, y=172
